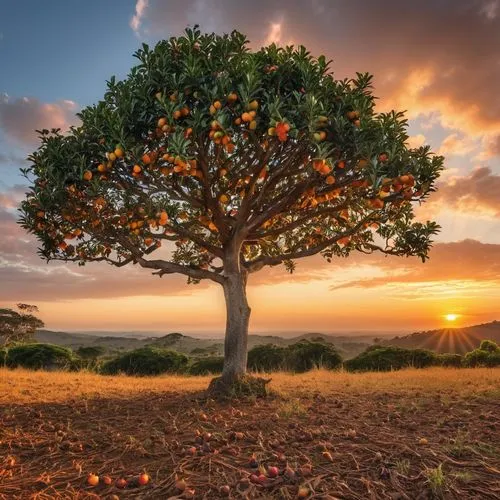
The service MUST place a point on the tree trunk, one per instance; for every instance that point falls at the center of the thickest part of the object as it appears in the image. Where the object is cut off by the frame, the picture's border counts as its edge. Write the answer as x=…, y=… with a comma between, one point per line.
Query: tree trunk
x=237, y=319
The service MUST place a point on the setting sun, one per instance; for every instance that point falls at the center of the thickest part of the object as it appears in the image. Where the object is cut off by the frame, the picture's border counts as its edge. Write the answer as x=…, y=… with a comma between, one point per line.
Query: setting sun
x=451, y=317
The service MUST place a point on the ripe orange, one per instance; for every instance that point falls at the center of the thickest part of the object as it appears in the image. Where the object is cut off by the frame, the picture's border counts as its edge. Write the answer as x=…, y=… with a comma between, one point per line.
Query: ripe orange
x=101, y=168
x=146, y=159
x=212, y=109
x=137, y=169
x=232, y=97
x=118, y=152
x=237, y=121
x=92, y=480
x=253, y=104
x=246, y=117
x=341, y=164
x=107, y=480
x=87, y=175
x=143, y=479
x=177, y=114
x=330, y=179
x=185, y=111
x=253, y=125
x=162, y=122
x=217, y=104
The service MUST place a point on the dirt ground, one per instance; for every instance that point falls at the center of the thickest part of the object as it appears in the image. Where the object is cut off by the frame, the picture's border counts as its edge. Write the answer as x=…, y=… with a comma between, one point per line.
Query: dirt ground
x=414, y=434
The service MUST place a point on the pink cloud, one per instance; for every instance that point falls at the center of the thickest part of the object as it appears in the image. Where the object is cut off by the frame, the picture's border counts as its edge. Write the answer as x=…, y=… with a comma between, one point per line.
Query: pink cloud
x=20, y=118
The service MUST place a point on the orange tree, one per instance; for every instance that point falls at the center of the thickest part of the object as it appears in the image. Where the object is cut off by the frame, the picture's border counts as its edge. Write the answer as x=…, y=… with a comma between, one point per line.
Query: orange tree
x=230, y=160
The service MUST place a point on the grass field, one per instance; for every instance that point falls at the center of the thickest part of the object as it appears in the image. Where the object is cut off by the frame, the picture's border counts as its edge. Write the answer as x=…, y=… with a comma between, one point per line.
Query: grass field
x=430, y=433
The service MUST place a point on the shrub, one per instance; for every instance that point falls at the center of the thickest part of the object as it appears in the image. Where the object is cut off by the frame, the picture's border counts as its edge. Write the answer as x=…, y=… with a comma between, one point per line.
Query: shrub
x=40, y=357
x=487, y=354
x=146, y=361
x=3, y=356
x=90, y=352
x=266, y=358
x=206, y=366
x=450, y=360
x=489, y=346
x=386, y=358
x=305, y=355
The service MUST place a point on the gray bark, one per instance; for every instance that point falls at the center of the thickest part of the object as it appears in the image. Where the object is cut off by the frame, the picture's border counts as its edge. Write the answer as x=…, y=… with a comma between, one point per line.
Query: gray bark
x=237, y=318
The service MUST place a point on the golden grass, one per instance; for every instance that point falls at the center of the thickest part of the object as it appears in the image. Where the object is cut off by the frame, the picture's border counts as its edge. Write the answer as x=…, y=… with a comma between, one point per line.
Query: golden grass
x=23, y=386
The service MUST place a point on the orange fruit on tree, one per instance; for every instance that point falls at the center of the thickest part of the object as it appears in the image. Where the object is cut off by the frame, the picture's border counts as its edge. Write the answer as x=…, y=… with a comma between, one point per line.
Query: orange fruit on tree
x=252, y=125
x=162, y=122
x=119, y=152
x=87, y=175
x=137, y=169
x=330, y=179
x=246, y=117
x=146, y=159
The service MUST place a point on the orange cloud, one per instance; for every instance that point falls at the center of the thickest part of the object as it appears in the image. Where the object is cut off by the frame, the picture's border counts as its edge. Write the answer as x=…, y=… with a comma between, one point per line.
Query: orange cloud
x=477, y=192
x=464, y=261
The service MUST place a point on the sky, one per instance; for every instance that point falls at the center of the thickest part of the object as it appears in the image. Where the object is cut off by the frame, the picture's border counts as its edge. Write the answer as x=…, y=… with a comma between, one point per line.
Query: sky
x=438, y=60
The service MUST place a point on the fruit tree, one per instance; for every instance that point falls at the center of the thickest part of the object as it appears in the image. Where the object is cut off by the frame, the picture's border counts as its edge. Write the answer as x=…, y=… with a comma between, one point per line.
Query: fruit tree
x=215, y=161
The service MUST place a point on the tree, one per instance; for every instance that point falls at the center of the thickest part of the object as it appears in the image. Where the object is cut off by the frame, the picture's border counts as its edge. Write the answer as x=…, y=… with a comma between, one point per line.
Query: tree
x=234, y=160
x=19, y=326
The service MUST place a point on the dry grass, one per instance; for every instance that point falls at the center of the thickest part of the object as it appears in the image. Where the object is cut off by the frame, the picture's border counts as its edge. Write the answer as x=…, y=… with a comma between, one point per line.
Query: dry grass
x=23, y=386
x=411, y=434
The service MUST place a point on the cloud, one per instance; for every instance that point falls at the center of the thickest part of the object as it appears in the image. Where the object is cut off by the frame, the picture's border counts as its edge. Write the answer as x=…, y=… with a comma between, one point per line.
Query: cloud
x=477, y=192
x=20, y=118
x=415, y=141
x=274, y=34
x=453, y=144
x=136, y=20
x=460, y=262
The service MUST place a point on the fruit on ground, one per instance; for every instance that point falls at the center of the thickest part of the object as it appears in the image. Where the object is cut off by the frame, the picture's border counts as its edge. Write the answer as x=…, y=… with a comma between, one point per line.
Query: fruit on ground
x=92, y=480
x=143, y=479
x=121, y=483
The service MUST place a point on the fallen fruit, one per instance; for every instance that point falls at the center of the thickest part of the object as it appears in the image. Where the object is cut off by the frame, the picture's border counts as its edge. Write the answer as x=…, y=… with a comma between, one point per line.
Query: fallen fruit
x=180, y=484
x=121, y=483
x=423, y=441
x=328, y=456
x=107, y=480
x=143, y=479
x=225, y=490
x=273, y=471
x=92, y=480
x=303, y=492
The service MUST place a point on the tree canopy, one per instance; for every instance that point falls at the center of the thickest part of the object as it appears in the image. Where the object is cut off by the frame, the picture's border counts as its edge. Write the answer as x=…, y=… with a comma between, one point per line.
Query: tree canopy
x=19, y=326
x=206, y=143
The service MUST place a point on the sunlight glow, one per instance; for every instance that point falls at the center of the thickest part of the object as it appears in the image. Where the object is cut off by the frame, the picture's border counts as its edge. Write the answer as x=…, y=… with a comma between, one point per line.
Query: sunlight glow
x=451, y=317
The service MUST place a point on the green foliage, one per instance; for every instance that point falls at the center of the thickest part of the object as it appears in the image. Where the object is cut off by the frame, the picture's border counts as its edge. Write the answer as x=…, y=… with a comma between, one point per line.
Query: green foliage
x=314, y=168
x=450, y=360
x=266, y=358
x=382, y=358
x=3, y=356
x=206, y=366
x=40, y=357
x=146, y=361
x=19, y=326
x=487, y=354
x=304, y=356
x=90, y=352
x=299, y=357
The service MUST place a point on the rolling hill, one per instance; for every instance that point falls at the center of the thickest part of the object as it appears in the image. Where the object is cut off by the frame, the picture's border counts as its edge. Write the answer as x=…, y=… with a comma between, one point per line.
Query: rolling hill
x=455, y=340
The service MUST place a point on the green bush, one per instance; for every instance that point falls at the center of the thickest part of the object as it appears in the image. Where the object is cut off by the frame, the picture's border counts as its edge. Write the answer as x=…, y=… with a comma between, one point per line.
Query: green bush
x=266, y=358
x=386, y=358
x=3, y=356
x=449, y=360
x=305, y=355
x=90, y=352
x=146, y=361
x=487, y=354
x=206, y=366
x=40, y=357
